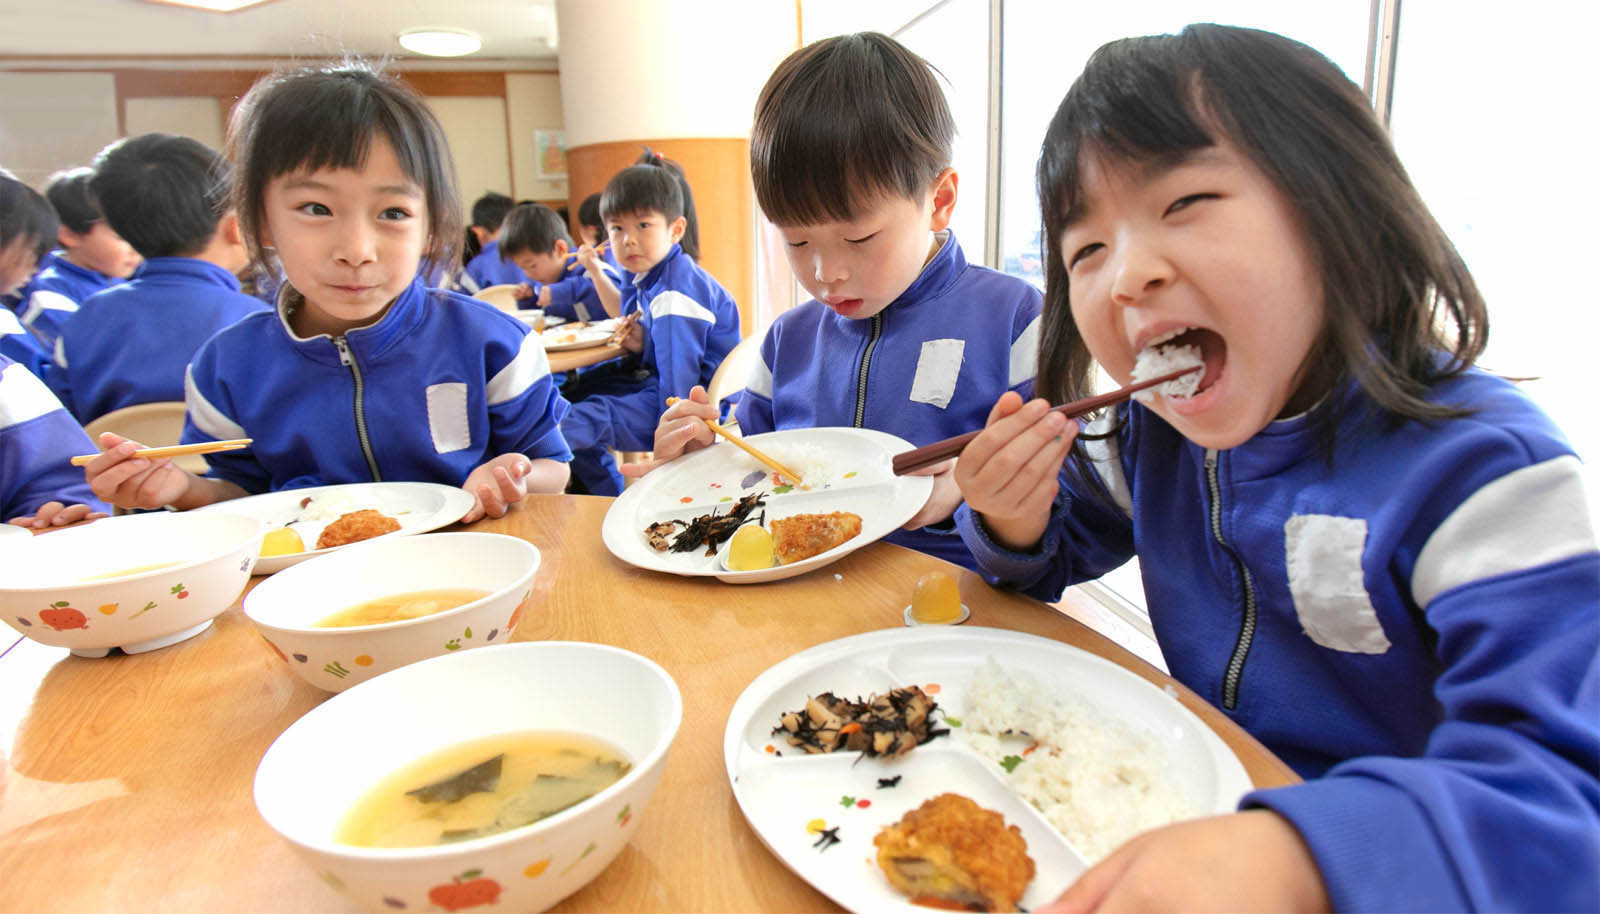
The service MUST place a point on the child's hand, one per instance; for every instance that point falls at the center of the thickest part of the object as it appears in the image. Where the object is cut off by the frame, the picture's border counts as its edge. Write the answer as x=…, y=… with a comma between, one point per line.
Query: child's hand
x=56, y=514
x=942, y=500
x=126, y=481
x=633, y=340
x=497, y=486
x=523, y=290
x=589, y=257
x=1008, y=474
x=1247, y=861
x=679, y=432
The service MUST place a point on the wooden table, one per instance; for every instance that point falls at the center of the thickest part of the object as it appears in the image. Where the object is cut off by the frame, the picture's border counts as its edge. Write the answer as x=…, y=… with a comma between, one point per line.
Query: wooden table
x=568, y=359
x=128, y=781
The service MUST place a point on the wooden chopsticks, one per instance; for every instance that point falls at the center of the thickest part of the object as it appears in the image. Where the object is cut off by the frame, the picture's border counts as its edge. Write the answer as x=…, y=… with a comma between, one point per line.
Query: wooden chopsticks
x=621, y=333
x=929, y=454
x=598, y=249
x=177, y=450
x=775, y=466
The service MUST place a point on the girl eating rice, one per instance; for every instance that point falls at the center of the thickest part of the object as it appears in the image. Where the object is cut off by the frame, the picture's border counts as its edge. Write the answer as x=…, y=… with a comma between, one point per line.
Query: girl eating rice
x=1370, y=553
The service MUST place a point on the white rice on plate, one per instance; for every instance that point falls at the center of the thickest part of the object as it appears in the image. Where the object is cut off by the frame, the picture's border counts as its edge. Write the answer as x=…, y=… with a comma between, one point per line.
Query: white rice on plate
x=1095, y=779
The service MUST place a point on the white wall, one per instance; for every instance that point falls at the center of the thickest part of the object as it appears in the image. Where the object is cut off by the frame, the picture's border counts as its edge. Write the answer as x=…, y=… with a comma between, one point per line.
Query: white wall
x=533, y=102
x=476, y=129
x=200, y=118
x=50, y=121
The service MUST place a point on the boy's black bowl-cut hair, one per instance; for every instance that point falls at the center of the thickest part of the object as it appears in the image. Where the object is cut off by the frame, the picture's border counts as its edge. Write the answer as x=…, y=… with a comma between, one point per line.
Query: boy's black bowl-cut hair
x=531, y=227
x=163, y=194
x=69, y=195
x=489, y=211
x=639, y=189
x=25, y=216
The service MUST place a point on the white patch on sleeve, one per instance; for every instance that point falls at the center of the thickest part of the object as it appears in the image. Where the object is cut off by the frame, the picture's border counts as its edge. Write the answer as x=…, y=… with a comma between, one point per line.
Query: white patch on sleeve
x=1106, y=457
x=1527, y=518
x=1327, y=584
x=1025, y=354
x=9, y=325
x=677, y=304
x=46, y=300
x=23, y=397
x=759, y=380
x=524, y=371
x=205, y=416
x=938, y=368
x=447, y=417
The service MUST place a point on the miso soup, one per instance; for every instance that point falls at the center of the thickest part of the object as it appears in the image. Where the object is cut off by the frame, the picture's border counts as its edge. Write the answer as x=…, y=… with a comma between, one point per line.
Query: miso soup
x=401, y=606
x=481, y=788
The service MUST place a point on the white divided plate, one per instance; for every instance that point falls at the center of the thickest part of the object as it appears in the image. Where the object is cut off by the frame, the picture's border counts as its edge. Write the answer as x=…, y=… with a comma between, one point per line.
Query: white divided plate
x=418, y=506
x=577, y=335
x=858, y=478
x=781, y=794
x=13, y=530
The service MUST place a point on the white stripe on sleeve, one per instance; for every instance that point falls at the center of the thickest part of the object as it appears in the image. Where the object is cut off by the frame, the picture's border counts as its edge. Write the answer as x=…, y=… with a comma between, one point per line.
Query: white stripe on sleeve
x=760, y=380
x=206, y=417
x=524, y=371
x=23, y=397
x=677, y=304
x=1531, y=517
x=1106, y=457
x=1025, y=354
x=9, y=325
x=46, y=300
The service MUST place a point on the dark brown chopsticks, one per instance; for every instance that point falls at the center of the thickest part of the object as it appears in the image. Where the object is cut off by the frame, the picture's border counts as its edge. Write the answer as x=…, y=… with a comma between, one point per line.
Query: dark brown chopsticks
x=929, y=454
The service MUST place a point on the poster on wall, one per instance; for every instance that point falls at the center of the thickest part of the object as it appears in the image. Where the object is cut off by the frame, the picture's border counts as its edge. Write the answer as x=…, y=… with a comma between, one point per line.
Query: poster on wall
x=550, y=155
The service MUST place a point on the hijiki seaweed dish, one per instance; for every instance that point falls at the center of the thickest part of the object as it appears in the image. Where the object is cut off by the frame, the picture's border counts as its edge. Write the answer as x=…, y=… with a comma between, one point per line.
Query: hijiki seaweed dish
x=708, y=530
x=888, y=725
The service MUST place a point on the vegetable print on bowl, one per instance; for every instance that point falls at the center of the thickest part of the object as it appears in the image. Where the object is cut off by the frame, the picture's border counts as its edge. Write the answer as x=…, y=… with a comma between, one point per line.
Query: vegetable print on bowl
x=681, y=518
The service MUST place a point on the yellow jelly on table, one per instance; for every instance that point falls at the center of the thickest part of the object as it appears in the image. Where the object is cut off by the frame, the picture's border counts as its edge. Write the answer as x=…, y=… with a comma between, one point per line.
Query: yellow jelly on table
x=936, y=599
x=282, y=541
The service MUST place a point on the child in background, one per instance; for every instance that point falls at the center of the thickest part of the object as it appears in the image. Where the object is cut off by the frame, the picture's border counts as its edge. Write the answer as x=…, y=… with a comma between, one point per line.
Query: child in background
x=534, y=238
x=28, y=228
x=363, y=373
x=903, y=335
x=168, y=196
x=591, y=228
x=1367, y=552
x=487, y=268
x=93, y=257
x=687, y=322
x=38, y=486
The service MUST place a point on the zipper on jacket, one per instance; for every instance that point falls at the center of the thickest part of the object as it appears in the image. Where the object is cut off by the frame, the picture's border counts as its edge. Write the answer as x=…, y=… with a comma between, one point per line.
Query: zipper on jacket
x=1247, y=628
x=866, y=363
x=348, y=360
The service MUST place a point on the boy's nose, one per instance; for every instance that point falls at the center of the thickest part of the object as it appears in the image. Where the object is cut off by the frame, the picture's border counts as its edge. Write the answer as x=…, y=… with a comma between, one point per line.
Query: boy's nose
x=829, y=270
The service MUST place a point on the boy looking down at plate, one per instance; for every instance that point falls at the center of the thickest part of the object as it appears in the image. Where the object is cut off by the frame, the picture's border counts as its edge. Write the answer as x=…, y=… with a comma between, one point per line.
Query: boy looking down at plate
x=851, y=160
x=170, y=198
x=535, y=240
x=28, y=229
x=362, y=373
x=92, y=257
x=687, y=321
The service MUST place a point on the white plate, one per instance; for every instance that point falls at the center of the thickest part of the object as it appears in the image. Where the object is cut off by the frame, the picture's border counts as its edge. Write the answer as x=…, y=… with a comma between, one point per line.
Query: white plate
x=418, y=506
x=577, y=336
x=12, y=530
x=781, y=794
x=716, y=477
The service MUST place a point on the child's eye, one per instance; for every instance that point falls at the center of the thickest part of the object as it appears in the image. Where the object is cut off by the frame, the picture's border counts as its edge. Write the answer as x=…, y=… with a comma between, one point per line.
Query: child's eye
x=862, y=240
x=1185, y=202
x=314, y=209
x=1083, y=253
x=394, y=213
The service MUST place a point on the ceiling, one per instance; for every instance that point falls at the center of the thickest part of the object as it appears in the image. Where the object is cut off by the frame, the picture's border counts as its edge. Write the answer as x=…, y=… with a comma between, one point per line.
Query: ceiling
x=520, y=30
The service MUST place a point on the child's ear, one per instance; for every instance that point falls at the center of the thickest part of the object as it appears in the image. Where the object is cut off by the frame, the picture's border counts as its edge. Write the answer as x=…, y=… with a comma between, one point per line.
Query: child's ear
x=67, y=237
x=228, y=228
x=562, y=248
x=678, y=227
x=944, y=200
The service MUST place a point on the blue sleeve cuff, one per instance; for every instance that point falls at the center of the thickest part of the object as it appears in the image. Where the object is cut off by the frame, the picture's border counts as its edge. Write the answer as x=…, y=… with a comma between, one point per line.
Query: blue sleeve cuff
x=1003, y=566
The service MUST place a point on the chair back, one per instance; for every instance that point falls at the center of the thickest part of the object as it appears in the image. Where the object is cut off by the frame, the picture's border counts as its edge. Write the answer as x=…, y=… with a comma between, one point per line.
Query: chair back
x=503, y=296
x=731, y=376
x=152, y=425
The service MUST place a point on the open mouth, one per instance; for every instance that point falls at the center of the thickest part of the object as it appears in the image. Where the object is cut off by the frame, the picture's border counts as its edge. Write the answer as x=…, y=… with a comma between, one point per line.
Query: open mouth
x=1180, y=349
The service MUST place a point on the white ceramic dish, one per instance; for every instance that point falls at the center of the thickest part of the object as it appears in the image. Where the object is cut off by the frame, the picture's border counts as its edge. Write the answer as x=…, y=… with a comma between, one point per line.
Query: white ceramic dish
x=197, y=565
x=716, y=477
x=287, y=606
x=13, y=530
x=781, y=795
x=417, y=506
x=577, y=335
x=323, y=762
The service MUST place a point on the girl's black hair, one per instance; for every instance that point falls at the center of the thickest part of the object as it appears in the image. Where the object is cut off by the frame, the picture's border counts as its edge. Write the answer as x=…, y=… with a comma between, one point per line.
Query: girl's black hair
x=532, y=227
x=844, y=121
x=313, y=118
x=26, y=216
x=163, y=194
x=1401, y=311
x=69, y=195
x=645, y=188
x=690, y=242
x=589, y=214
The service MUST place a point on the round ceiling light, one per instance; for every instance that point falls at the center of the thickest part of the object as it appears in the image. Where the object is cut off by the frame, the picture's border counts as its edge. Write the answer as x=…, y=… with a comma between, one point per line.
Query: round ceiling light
x=440, y=42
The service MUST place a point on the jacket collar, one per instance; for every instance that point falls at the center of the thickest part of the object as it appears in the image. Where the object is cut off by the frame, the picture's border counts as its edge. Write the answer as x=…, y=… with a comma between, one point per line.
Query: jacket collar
x=941, y=270
x=188, y=268
x=371, y=342
x=58, y=260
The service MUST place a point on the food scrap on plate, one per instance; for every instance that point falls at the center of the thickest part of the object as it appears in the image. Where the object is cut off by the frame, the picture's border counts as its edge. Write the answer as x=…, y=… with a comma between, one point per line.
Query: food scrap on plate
x=952, y=853
x=889, y=725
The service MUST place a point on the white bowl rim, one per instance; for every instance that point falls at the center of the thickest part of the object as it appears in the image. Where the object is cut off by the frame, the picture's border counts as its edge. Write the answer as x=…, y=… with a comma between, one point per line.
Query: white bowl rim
x=290, y=574
x=488, y=842
x=186, y=564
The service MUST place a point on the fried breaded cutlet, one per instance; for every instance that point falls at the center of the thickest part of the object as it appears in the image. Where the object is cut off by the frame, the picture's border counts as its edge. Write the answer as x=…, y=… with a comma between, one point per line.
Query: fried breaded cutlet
x=355, y=527
x=952, y=853
x=802, y=536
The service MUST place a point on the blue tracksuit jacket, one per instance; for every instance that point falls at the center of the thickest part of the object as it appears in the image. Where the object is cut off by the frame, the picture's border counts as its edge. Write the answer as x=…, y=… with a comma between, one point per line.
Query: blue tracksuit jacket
x=487, y=269
x=57, y=290
x=441, y=384
x=1413, y=628
x=690, y=323
x=575, y=298
x=927, y=367
x=18, y=344
x=132, y=343
x=37, y=437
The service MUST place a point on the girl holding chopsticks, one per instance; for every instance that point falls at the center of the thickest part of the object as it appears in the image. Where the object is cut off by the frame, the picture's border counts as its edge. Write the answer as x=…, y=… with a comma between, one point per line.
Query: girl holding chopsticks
x=362, y=373
x=1371, y=554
